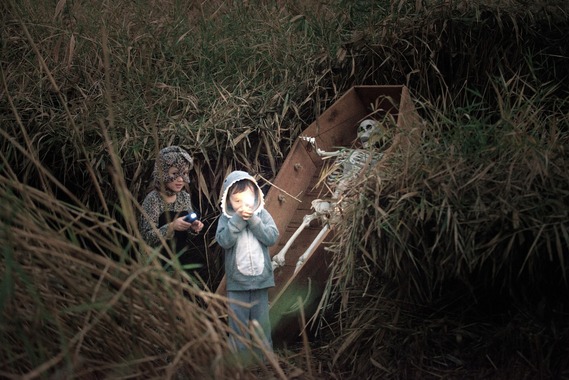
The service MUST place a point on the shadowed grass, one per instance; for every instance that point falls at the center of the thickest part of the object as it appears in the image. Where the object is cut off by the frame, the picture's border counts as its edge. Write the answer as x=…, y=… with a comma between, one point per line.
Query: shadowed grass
x=452, y=247
x=452, y=258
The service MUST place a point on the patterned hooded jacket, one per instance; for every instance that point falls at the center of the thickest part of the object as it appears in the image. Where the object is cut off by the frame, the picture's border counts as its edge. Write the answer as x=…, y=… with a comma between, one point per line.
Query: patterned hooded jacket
x=245, y=242
x=158, y=212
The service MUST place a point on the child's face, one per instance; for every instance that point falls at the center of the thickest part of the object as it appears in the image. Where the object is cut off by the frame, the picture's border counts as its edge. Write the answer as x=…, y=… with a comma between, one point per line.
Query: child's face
x=177, y=176
x=243, y=200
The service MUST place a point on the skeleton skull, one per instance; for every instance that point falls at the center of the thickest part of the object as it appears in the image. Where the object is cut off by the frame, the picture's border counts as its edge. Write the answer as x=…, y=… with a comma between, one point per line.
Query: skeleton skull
x=366, y=129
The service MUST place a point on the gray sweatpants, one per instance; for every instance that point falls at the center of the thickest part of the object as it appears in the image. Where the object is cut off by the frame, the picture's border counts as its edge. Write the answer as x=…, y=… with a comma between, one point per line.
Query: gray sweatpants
x=258, y=311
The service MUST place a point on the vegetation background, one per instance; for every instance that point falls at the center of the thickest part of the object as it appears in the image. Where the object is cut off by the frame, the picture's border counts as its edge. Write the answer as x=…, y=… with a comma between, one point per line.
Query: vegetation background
x=454, y=265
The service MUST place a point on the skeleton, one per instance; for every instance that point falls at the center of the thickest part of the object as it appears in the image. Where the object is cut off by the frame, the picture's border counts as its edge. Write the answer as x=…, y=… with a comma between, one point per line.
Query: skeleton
x=349, y=163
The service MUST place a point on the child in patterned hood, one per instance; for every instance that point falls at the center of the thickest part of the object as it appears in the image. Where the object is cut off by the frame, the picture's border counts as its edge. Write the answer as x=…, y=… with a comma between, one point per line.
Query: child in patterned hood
x=168, y=203
x=245, y=230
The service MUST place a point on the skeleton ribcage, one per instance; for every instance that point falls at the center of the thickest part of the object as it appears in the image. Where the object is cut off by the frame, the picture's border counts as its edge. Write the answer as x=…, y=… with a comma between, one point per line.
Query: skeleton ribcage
x=348, y=165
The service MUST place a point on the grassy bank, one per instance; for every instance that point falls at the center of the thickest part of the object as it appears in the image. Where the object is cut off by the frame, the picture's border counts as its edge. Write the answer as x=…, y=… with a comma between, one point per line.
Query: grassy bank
x=453, y=264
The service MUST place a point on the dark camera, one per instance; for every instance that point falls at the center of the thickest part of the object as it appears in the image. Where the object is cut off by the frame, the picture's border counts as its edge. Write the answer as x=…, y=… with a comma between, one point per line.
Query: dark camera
x=191, y=217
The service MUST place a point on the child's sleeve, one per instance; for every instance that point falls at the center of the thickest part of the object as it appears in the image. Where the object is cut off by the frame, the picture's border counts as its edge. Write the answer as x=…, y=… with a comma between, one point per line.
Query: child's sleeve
x=264, y=228
x=228, y=230
x=149, y=221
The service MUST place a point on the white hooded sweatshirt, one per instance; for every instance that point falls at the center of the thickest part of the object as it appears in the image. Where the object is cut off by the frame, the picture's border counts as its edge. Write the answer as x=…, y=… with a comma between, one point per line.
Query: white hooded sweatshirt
x=245, y=242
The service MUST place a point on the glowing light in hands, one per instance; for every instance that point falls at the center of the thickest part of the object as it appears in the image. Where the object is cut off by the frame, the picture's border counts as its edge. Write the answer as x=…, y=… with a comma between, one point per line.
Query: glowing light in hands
x=249, y=201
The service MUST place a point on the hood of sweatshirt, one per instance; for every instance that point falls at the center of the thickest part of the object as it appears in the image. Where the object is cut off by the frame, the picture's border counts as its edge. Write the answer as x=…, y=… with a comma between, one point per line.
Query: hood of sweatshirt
x=229, y=181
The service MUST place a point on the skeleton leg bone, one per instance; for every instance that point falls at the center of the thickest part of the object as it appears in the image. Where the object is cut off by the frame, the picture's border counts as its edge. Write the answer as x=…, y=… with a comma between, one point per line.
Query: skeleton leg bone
x=315, y=243
x=279, y=258
x=321, y=210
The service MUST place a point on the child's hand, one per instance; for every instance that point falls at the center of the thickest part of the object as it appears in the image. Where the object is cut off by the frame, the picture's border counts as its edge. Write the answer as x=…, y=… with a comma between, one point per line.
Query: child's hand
x=245, y=212
x=179, y=224
x=197, y=226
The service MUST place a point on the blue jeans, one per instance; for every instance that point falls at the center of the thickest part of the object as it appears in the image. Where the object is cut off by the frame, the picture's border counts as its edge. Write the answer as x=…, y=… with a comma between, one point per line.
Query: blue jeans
x=258, y=310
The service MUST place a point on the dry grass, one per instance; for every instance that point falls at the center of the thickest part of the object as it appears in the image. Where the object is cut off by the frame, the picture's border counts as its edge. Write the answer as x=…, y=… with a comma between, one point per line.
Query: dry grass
x=70, y=312
x=474, y=219
x=457, y=244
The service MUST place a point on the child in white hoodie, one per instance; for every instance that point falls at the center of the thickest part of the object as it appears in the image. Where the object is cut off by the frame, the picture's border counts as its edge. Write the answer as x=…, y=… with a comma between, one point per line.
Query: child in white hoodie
x=245, y=230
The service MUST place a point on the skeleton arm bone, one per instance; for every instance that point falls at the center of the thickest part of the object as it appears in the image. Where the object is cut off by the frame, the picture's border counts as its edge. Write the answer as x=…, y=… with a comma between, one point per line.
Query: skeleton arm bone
x=320, y=152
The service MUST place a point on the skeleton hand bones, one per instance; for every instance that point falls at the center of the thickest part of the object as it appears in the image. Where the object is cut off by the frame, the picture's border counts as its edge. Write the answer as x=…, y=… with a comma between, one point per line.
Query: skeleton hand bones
x=320, y=152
